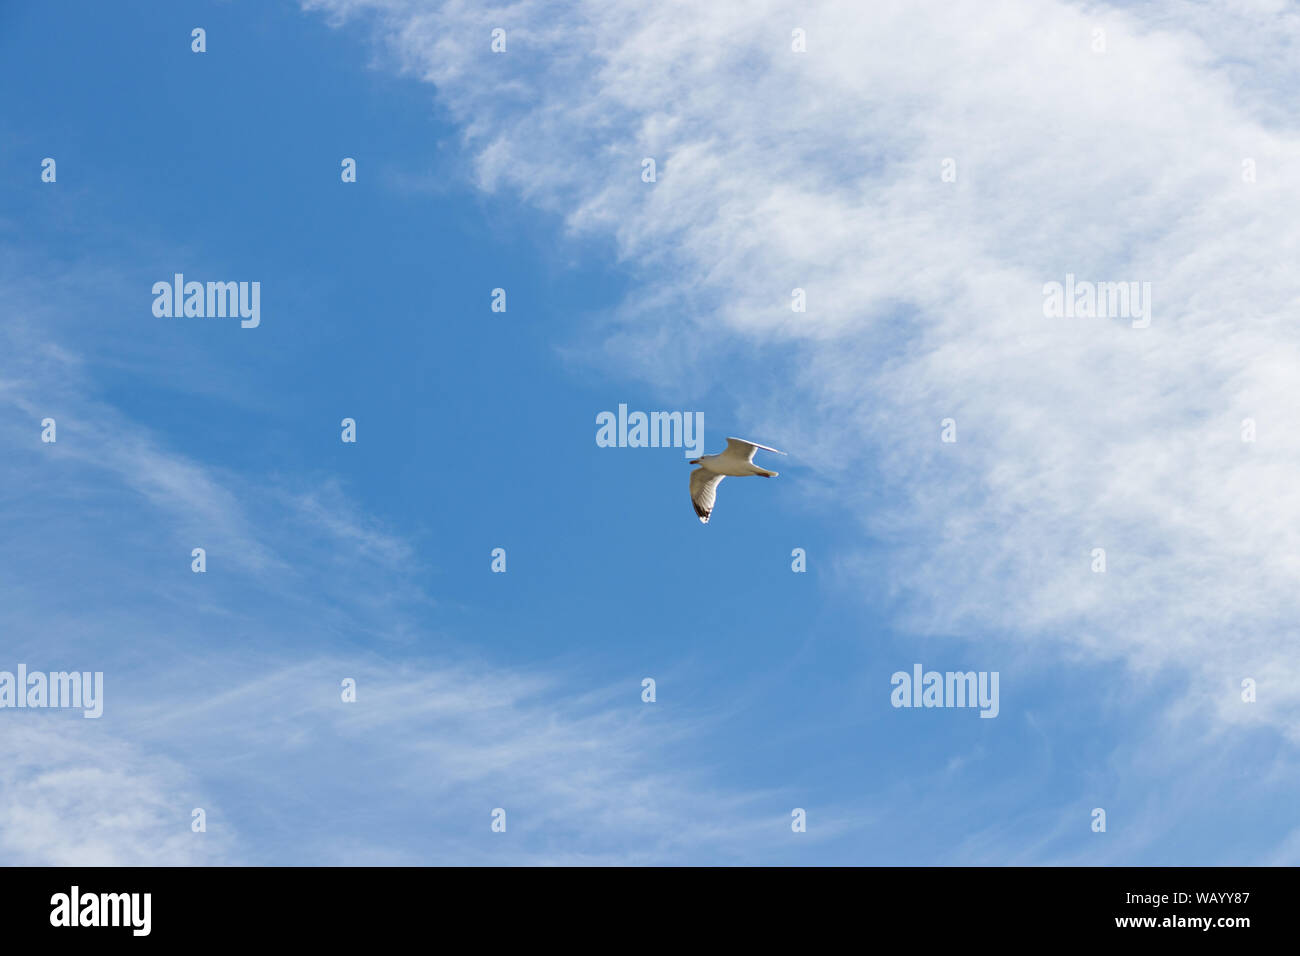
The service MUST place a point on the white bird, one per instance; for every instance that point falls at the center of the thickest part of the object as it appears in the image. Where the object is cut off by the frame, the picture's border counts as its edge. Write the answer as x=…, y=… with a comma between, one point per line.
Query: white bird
x=737, y=460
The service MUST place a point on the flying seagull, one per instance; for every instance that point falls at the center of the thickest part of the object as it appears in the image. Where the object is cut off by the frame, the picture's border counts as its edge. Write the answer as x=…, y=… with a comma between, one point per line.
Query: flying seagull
x=737, y=460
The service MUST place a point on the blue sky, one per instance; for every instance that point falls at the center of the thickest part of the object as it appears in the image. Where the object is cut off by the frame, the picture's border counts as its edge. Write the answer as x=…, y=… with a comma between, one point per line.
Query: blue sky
x=476, y=431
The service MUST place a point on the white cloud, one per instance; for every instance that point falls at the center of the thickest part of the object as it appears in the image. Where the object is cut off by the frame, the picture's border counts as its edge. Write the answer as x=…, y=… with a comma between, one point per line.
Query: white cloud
x=822, y=170
x=73, y=794
x=431, y=748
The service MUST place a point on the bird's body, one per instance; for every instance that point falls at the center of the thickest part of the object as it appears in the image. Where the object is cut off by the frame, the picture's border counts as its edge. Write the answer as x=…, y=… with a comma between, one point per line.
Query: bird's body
x=737, y=461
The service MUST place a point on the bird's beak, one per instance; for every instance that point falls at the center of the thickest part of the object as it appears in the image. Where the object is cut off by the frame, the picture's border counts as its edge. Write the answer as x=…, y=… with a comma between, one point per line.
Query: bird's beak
x=693, y=461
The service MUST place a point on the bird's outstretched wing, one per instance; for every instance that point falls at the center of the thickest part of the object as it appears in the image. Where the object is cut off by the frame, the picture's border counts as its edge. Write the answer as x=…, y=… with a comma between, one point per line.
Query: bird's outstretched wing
x=704, y=491
x=744, y=450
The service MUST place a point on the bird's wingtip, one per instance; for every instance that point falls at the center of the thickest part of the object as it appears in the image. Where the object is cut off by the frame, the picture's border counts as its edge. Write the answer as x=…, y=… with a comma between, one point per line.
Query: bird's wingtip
x=755, y=444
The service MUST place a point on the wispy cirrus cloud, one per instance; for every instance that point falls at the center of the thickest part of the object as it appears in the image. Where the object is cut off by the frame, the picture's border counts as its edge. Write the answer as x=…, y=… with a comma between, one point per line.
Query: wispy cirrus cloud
x=415, y=766
x=75, y=795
